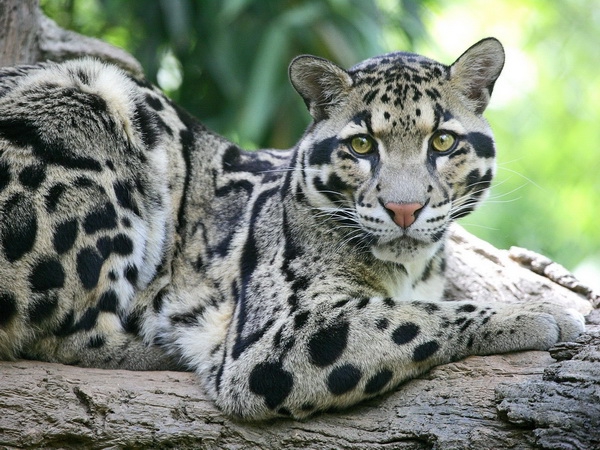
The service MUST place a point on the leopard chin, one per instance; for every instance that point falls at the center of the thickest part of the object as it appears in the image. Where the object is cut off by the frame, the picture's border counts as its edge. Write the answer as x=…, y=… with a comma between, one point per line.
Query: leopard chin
x=402, y=250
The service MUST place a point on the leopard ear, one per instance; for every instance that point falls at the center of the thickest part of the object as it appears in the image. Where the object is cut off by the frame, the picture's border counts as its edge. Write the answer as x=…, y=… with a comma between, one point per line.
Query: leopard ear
x=320, y=83
x=476, y=70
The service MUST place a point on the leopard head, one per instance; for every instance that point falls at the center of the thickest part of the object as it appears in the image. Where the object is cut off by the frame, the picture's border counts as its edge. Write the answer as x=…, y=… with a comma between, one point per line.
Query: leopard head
x=398, y=147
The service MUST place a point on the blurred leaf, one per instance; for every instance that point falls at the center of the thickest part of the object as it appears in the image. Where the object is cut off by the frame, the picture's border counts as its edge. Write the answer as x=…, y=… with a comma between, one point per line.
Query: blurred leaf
x=177, y=15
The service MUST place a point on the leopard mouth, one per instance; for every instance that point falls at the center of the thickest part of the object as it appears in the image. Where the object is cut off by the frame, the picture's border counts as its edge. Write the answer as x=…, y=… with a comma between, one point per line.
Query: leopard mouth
x=400, y=250
x=406, y=241
x=391, y=236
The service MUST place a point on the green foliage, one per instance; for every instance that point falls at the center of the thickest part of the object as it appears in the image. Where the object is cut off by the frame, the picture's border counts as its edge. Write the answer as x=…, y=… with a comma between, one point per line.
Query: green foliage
x=225, y=61
x=546, y=122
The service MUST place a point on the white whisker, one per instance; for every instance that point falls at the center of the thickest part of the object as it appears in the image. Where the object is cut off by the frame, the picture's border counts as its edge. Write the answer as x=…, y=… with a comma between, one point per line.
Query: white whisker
x=529, y=180
x=477, y=225
x=288, y=169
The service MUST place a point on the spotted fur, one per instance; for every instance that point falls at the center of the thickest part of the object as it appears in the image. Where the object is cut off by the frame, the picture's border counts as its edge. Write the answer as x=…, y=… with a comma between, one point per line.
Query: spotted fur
x=291, y=281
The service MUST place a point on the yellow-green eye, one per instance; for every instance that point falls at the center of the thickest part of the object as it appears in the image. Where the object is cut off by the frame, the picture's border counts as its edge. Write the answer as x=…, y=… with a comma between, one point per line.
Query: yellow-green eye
x=361, y=145
x=442, y=141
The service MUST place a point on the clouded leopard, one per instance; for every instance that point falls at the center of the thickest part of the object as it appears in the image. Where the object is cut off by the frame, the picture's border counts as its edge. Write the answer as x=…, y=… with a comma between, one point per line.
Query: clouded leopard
x=291, y=281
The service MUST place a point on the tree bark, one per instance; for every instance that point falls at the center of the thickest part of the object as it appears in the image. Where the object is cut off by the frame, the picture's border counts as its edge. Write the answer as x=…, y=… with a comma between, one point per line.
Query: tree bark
x=490, y=402
x=27, y=36
x=19, y=30
x=522, y=400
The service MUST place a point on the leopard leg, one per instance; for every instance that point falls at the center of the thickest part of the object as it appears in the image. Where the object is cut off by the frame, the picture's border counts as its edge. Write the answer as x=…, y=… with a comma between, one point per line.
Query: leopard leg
x=335, y=356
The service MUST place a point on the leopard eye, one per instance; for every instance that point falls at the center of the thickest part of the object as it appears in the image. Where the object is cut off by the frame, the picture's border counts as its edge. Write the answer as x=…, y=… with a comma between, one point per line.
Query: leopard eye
x=443, y=141
x=362, y=145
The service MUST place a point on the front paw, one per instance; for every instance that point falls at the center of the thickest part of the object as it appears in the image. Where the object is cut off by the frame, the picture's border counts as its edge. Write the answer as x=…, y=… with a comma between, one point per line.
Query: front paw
x=570, y=322
x=529, y=327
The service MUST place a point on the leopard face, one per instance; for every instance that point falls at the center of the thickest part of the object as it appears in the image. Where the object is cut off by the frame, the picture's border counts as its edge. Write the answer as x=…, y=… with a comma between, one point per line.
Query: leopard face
x=399, y=147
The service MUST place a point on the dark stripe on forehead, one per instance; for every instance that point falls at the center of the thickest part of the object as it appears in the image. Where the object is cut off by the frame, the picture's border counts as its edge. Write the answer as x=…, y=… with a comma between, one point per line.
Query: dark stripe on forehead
x=441, y=115
x=447, y=115
x=369, y=96
x=363, y=117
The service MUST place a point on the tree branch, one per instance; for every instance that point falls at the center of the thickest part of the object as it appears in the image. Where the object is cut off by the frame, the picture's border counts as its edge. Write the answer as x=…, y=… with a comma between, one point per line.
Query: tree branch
x=27, y=36
x=57, y=44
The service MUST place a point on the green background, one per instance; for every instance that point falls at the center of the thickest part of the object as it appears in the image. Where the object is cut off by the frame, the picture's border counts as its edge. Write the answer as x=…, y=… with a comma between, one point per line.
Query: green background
x=226, y=62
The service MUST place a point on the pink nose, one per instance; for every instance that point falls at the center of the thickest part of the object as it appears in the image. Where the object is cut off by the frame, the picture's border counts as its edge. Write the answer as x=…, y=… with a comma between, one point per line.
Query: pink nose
x=403, y=214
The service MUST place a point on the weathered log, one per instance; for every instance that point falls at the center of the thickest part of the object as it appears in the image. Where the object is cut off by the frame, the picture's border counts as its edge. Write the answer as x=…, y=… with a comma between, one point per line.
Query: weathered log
x=453, y=406
x=562, y=409
x=520, y=400
x=501, y=401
